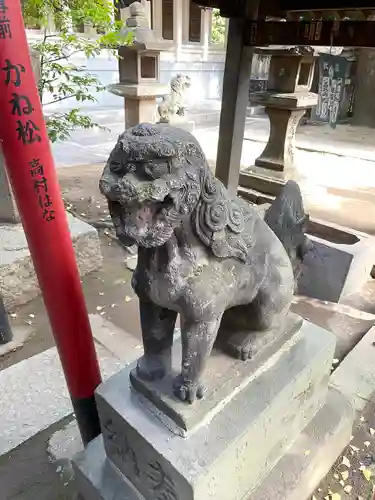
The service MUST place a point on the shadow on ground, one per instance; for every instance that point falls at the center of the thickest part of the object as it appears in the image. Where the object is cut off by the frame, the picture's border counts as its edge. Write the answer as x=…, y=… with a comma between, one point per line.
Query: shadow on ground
x=26, y=473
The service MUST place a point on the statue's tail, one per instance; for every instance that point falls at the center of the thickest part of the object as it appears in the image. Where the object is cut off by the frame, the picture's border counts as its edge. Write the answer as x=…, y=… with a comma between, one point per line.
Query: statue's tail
x=288, y=220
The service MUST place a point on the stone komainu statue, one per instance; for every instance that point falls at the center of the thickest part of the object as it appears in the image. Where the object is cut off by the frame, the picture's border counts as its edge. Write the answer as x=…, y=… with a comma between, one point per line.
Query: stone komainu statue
x=172, y=105
x=201, y=254
x=288, y=220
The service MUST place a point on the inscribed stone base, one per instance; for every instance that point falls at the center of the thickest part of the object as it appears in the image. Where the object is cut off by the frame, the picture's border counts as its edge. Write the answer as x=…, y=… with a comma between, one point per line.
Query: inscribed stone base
x=294, y=477
x=230, y=451
x=18, y=282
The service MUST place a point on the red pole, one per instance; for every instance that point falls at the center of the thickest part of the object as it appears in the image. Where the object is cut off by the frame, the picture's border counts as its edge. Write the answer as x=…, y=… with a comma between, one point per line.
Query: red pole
x=33, y=177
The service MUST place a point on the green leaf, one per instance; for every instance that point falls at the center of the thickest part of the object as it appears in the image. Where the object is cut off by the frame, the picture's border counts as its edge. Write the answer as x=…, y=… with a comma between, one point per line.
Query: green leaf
x=61, y=79
x=218, y=27
x=61, y=125
x=367, y=473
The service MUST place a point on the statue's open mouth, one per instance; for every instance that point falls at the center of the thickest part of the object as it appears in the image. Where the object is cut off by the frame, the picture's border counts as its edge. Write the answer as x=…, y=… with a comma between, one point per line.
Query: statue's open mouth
x=145, y=225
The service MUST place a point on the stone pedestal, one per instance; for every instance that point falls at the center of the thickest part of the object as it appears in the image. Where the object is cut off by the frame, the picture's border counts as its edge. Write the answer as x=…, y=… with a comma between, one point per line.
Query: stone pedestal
x=228, y=445
x=139, y=110
x=279, y=151
x=188, y=125
x=284, y=111
x=260, y=182
x=286, y=100
x=139, y=101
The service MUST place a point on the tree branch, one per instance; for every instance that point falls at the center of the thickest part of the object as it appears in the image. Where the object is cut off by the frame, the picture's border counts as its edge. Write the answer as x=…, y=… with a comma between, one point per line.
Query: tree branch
x=47, y=82
x=41, y=62
x=50, y=61
x=59, y=99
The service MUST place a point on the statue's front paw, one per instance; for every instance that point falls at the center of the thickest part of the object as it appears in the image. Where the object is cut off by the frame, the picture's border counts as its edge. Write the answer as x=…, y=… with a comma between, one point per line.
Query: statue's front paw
x=150, y=369
x=187, y=391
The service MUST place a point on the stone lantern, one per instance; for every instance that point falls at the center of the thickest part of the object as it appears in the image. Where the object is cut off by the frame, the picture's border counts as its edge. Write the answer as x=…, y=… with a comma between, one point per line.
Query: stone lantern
x=291, y=72
x=286, y=100
x=139, y=68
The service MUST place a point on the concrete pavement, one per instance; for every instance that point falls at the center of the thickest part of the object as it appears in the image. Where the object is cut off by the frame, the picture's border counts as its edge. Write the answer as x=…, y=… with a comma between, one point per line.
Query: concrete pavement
x=93, y=146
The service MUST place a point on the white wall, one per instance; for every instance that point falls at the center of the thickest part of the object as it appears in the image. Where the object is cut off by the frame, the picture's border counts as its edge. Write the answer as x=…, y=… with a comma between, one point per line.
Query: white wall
x=203, y=62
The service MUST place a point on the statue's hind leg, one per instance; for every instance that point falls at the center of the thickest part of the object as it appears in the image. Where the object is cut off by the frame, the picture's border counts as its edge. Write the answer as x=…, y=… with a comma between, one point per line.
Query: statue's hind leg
x=250, y=328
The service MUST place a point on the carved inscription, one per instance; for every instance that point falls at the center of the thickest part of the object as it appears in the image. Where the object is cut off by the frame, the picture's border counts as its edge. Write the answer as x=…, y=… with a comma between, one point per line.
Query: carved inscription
x=122, y=448
x=148, y=475
x=161, y=485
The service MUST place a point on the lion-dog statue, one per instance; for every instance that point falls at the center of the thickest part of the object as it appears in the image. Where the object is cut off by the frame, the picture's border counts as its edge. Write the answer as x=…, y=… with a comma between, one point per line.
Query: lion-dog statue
x=209, y=258
x=172, y=106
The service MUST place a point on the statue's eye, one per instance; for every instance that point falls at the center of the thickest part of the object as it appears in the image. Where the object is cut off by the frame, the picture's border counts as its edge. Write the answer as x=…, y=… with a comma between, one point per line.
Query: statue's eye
x=156, y=168
x=116, y=167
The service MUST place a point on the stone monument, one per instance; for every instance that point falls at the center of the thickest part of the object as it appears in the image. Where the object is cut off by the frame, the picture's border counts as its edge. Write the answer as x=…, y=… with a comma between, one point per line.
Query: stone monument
x=286, y=100
x=139, y=68
x=215, y=414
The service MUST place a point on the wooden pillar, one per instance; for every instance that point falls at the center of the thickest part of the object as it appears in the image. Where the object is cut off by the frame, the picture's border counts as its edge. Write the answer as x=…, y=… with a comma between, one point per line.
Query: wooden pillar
x=206, y=32
x=236, y=86
x=157, y=17
x=178, y=24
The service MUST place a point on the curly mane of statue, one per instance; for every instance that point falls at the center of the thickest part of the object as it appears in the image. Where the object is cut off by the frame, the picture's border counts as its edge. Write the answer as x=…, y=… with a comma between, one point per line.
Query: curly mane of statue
x=201, y=254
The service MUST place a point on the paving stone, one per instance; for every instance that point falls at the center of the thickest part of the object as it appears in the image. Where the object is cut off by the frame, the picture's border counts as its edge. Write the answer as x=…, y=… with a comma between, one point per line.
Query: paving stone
x=120, y=343
x=347, y=323
x=20, y=336
x=34, y=392
x=310, y=458
x=355, y=377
